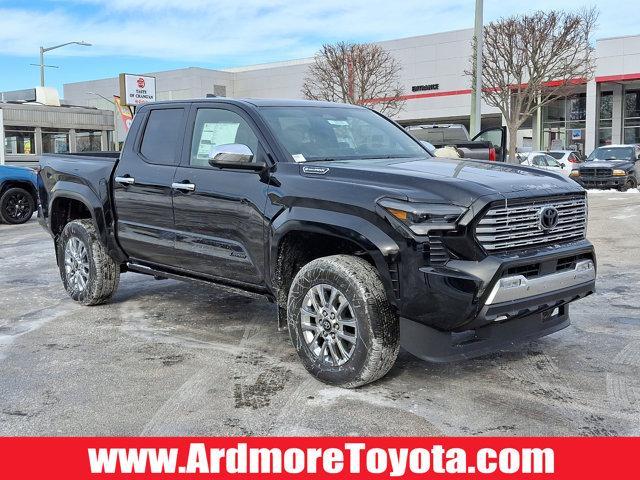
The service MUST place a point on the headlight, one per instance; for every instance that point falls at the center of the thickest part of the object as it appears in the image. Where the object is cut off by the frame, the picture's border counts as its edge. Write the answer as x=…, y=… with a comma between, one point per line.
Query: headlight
x=574, y=173
x=619, y=173
x=421, y=218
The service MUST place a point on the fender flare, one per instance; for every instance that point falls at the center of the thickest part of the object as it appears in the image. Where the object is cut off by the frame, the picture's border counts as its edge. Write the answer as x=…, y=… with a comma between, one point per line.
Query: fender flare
x=89, y=199
x=378, y=245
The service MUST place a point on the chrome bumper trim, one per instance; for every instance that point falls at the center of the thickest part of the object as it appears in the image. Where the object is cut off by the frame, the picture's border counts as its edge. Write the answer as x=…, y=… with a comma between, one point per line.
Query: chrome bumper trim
x=518, y=287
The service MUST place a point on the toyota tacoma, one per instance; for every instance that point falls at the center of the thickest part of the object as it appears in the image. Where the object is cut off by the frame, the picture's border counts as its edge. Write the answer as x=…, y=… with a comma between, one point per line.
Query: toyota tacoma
x=363, y=240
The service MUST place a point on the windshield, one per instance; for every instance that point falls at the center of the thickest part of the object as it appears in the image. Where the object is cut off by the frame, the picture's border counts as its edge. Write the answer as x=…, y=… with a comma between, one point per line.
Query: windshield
x=611, y=153
x=556, y=155
x=338, y=133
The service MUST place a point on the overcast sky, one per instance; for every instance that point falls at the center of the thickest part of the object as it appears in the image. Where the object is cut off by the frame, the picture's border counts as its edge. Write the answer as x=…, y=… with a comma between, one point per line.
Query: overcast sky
x=149, y=35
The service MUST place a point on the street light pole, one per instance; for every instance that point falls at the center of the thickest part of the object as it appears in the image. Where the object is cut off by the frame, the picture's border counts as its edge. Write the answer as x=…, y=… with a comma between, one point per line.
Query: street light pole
x=42, y=66
x=47, y=49
x=476, y=97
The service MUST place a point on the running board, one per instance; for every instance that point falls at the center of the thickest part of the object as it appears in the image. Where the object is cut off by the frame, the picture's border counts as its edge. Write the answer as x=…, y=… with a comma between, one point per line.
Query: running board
x=237, y=286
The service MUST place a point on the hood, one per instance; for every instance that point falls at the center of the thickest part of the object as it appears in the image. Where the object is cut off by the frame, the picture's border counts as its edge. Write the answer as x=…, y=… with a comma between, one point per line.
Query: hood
x=460, y=182
x=607, y=164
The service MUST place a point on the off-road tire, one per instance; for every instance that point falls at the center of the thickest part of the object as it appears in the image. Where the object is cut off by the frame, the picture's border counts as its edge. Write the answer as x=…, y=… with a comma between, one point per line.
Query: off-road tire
x=378, y=331
x=30, y=206
x=104, y=272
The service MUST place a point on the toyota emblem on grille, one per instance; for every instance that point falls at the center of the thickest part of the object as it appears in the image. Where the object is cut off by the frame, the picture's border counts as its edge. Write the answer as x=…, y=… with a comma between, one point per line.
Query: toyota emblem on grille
x=549, y=218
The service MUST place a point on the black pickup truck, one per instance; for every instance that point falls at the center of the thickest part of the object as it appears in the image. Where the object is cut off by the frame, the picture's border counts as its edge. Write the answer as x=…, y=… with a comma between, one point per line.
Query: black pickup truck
x=363, y=240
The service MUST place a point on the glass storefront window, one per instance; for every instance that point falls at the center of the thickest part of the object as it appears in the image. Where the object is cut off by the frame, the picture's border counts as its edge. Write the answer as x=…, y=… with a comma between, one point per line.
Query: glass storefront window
x=632, y=130
x=55, y=141
x=564, y=123
x=555, y=111
x=19, y=141
x=577, y=107
x=604, y=136
x=606, y=106
x=88, y=141
x=632, y=116
x=632, y=104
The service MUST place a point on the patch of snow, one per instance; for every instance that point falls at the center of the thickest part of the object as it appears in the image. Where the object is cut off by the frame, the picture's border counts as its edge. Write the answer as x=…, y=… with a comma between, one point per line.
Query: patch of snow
x=610, y=191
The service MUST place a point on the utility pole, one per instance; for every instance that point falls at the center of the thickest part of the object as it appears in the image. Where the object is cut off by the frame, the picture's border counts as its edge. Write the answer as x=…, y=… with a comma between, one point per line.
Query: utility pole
x=476, y=96
x=47, y=49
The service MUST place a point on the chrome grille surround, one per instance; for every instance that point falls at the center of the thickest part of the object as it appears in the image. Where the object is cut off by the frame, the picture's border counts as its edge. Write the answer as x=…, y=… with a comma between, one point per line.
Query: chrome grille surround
x=515, y=225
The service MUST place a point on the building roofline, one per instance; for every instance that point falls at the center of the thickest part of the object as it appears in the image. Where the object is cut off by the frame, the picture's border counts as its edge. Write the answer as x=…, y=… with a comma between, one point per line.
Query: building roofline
x=617, y=37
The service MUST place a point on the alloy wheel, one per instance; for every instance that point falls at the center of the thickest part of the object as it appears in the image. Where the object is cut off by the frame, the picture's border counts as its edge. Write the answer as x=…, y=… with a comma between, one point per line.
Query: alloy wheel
x=328, y=325
x=17, y=206
x=76, y=264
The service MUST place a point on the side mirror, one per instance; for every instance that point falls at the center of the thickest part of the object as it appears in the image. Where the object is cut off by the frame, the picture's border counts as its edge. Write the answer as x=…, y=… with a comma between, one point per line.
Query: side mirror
x=234, y=155
x=563, y=165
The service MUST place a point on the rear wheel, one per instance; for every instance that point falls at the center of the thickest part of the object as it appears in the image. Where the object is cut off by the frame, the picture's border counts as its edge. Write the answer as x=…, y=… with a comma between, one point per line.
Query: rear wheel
x=344, y=329
x=16, y=206
x=89, y=275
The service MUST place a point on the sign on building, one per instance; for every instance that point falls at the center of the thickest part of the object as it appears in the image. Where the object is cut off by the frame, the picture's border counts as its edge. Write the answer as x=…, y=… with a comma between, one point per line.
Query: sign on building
x=137, y=89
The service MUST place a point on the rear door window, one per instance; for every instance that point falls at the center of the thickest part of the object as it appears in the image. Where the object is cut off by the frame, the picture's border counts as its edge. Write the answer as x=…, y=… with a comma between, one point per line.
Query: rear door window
x=161, y=135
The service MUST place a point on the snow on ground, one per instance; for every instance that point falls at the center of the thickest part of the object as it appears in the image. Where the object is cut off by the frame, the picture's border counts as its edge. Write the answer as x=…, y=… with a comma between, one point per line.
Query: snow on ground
x=631, y=191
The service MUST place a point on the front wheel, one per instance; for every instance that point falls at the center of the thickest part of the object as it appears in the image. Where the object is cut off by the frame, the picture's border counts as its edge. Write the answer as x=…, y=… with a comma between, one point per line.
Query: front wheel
x=16, y=206
x=632, y=182
x=341, y=323
x=89, y=275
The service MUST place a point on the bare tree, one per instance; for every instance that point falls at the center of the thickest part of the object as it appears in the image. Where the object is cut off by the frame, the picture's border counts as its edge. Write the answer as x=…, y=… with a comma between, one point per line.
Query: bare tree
x=361, y=74
x=531, y=60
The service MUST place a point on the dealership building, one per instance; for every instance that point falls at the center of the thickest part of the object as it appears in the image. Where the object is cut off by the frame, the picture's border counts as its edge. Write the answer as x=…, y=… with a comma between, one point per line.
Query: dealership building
x=604, y=110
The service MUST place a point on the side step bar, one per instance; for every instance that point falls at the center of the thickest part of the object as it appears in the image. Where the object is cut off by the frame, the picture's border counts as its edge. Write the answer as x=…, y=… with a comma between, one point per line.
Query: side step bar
x=237, y=286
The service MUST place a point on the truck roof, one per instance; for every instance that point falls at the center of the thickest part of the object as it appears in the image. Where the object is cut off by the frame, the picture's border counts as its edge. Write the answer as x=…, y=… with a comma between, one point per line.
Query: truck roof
x=260, y=102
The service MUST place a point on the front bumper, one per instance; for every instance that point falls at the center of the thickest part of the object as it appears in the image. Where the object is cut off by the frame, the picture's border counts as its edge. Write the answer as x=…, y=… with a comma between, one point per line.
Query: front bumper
x=458, y=295
x=469, y=308
x=436, y=346
x=602, y=182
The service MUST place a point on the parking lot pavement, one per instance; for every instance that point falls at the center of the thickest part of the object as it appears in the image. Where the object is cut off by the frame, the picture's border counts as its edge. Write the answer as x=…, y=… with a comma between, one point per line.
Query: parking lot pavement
x=169, y=358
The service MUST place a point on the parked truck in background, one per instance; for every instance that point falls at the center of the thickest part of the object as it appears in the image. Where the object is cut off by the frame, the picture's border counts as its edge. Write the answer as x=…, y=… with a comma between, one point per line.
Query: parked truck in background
x=610, y=166
x=489, y=144
x=363, y=240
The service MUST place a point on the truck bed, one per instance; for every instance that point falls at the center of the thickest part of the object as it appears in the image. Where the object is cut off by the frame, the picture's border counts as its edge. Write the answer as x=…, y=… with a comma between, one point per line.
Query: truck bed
x=76, y=172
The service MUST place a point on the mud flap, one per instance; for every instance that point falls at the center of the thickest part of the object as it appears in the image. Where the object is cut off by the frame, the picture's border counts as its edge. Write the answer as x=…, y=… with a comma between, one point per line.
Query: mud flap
x=282, y=319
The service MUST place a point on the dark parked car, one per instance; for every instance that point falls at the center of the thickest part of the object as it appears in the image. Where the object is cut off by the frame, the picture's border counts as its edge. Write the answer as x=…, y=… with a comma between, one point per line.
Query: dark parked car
x=18, y=194
x=611, y=166
x=363, y=240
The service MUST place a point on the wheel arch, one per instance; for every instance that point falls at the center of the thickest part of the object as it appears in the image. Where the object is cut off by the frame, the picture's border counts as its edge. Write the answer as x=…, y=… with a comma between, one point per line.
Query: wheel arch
x=25, y=184
x=338, y=233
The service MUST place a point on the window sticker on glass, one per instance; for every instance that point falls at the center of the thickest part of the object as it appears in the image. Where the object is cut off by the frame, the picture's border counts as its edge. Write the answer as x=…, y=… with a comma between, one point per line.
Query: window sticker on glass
x=299, y=158
x=216, y=134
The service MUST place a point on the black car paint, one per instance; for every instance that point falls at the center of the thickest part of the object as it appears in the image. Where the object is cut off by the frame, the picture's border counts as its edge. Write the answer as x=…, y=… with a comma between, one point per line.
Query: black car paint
x=229, y=230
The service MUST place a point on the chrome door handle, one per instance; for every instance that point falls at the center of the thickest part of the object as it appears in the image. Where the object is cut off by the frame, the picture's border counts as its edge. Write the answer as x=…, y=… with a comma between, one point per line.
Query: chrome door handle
x=125, y=180
x=190, y=187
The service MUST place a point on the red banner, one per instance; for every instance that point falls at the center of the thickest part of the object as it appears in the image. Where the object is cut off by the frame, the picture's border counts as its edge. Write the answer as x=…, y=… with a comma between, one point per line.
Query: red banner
x=283, y=458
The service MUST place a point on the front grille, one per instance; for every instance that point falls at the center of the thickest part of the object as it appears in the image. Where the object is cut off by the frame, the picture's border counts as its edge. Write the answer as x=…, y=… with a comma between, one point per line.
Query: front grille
x=438, y=254
x=516, y=226
x=596, y=172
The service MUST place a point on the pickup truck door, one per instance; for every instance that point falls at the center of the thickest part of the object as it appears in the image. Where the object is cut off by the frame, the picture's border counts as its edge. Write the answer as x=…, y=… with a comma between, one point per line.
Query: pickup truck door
x=497, y=137
x=219, y=216
x=142, y=185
